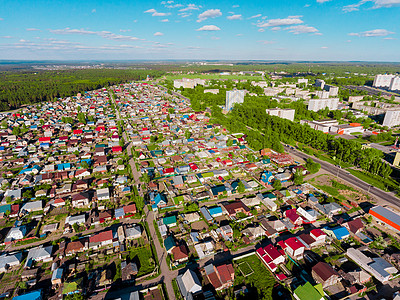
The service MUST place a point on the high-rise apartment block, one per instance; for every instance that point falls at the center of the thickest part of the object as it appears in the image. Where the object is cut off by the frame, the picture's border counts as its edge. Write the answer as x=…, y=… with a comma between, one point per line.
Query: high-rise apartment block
x=318, y=104
x=333, y=90
x=392, y=118
x=232, y=97
x=284, y=113
x=320, y=83
x=188, y=83
x=389, y=81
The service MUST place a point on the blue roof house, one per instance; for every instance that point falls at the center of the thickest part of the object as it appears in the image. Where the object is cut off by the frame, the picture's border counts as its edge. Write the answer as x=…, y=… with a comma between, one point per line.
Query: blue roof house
x=215, y=211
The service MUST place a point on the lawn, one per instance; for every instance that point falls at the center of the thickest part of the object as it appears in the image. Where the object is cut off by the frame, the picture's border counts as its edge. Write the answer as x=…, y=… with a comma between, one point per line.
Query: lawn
x=143, y=258
x=261, y=279
x=369, y=178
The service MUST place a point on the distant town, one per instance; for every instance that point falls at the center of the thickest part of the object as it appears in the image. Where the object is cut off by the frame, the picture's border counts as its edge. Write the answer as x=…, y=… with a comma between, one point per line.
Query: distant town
x=204, y=185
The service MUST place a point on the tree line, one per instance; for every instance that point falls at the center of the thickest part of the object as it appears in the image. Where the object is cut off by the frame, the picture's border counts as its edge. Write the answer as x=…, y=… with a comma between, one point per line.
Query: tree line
x=20, y=88
x=264, y=131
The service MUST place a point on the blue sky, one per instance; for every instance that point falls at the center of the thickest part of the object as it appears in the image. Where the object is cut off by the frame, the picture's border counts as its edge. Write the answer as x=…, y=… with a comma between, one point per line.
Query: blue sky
x=365, y=30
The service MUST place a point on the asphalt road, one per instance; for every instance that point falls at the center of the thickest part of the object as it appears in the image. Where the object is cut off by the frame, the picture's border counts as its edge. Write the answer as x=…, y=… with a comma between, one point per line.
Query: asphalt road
x=345, y=175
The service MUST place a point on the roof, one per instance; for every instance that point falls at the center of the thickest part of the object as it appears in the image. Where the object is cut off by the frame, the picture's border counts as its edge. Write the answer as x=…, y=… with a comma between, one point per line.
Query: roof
x=180, y=252
x=386, y=214
x=169, y=243
x=215, y=210
x=355, y=225
x=340, y=232
x=307, y=292
x=34, y=295
x=324, y=271
x=169, y=220
x=101, y=237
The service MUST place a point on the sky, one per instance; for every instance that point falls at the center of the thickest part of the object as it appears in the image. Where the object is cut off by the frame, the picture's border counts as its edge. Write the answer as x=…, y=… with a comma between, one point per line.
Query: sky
x=316, y=30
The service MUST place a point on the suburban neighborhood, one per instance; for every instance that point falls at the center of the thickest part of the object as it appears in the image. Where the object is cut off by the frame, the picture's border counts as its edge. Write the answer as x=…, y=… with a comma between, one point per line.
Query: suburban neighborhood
x=128, y=192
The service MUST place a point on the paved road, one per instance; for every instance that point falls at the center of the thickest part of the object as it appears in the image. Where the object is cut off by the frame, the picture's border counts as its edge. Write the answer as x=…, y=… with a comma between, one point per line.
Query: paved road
x=343, y=174
x=166, y=275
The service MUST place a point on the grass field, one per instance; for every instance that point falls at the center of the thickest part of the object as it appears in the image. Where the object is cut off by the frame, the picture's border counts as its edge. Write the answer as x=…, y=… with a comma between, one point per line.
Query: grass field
x=261, y=279
x=143, y=256
x=245, y=268
x=374, y=180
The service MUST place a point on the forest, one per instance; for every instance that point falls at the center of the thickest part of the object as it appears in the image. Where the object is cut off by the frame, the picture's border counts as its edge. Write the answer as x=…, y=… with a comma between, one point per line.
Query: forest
x=264, y=131
x=25, y=87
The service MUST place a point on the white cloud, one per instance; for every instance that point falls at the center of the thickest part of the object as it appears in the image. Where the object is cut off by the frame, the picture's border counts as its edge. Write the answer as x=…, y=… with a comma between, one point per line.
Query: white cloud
x=372, y=33
x=255, y=16
x=134, y=21
x=210, y=13
x=261, y=30
x=275, y=28
x=32, y=29
x=155, y=13
x=164, y=20
x=1, y=19
x=322, y=1
x=160, y=14
x=124, y=30
x=234, y=17
x=158, y=34
x=376, y=4
x=324, y=47
x=7, y=37
x=235, y=6
x=385, y=3
x=184, y=14
x=389, y=38
x=104, y=34
x=298, y=29
x=239, y=34
x=291, y=20
x=190, y=7
x=215, y=38
x=209, y=28
x=266, y=42
x=307, y=5
x=93, y=10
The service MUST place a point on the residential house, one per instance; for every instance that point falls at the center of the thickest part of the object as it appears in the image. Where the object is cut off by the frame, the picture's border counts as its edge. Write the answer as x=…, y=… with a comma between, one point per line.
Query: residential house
x=220, y=277
x=293, y=246
x=133, y=232
x=324, y=274
x=101, y=239
x=271, y=256
x=309, y=292
x=189, y=284
x=40, y=253
x=180, y=254
x=233, y=208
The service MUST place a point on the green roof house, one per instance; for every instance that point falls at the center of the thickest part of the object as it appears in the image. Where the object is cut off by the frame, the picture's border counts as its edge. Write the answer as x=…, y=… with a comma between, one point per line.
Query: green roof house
x=169, y=244
x=170, y=221
x=309, y=292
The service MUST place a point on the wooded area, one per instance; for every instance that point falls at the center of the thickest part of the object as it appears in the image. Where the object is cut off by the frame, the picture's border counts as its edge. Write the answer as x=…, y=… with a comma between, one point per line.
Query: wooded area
x=19, y=88
x=268, y=132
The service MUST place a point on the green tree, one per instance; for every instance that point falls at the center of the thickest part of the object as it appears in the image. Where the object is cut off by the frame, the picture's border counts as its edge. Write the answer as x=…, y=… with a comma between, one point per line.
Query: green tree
x=145, y=178
x=298, y=177
x=16, y=130
x=241, y=188
x=171, y=110
x=188, y=134
x=84, y=165
x=277, y=185
x=4, y=124
x=28, y=194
